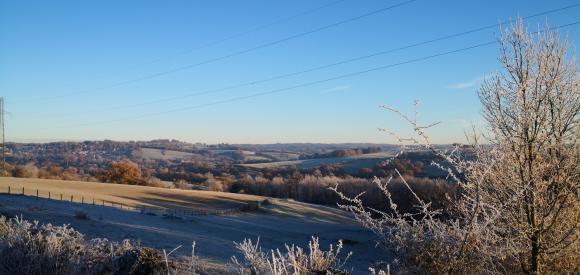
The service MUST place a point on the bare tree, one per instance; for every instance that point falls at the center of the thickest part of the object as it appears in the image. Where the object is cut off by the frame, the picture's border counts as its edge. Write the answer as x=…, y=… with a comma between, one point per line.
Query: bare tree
x=532, y=109
x=519, y=209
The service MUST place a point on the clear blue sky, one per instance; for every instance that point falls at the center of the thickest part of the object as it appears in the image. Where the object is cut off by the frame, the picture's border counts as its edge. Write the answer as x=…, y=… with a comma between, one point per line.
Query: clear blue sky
x=61, y=62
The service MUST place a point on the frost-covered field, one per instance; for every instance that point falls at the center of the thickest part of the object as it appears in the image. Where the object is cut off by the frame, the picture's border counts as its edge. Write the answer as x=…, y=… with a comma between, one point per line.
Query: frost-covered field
x=282, y=222
x=353, y=162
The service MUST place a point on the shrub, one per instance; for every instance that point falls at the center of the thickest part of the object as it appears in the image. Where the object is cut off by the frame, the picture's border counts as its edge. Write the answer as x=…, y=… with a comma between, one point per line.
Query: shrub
x=142, y=261
x=30, y=248
x=154, y=182
x=214, y=185
x=25, y=171
x=182, y=184
x=295, y=261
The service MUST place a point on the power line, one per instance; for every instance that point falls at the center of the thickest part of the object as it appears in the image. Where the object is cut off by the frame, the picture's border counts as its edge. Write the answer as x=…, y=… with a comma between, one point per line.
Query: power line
x=308, y=83
x=287, y=88
x=237, y=53
x=346, y=61
x=246, y=32
x=312, y=83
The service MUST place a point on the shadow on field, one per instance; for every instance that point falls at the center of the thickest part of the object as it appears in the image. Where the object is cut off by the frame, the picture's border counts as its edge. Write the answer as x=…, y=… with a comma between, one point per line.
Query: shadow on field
x=312, y=213
x=276, y=207
x=184, y=201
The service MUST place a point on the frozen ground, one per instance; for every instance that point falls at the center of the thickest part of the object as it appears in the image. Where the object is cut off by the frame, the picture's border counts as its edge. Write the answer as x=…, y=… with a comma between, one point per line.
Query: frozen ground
x=283, y=222
x=351, y=163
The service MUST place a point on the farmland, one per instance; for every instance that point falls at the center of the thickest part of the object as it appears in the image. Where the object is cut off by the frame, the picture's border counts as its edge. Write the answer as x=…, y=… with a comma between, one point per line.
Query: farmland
x=281, y=222
x=129, y=195
x=351, y=163
x=160, y=154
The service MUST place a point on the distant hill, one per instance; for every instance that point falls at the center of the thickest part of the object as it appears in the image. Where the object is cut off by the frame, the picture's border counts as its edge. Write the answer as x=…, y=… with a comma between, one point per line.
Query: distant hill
x=350, y=164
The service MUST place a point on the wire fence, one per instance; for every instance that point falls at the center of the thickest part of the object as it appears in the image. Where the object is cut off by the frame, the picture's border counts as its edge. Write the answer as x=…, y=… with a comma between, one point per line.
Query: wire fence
x=149, y=210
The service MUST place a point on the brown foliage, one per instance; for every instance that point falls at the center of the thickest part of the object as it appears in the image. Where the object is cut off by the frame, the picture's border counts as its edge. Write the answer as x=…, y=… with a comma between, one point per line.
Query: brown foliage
x=314, y=189
x=123, y=172
x=25, y=171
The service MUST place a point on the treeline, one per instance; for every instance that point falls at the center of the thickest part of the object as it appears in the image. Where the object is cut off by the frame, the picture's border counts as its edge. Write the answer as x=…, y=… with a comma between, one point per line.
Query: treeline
x=316, y=189
x=51, y=172
x=311, y=186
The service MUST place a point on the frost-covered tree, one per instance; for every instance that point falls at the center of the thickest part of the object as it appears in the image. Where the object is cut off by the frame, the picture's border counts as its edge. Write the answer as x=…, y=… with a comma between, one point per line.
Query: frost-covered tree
x=532, y=109
x=519, y=207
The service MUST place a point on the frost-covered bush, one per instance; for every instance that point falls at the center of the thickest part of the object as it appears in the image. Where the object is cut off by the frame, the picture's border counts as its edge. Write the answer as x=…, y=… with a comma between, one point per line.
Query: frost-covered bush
x=30, y=248
x=519, y=206
x=295, y=260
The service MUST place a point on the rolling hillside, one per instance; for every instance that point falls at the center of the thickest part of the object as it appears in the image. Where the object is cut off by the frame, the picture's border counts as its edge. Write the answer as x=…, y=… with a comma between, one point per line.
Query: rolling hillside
x=353, y=163
x=279, y=223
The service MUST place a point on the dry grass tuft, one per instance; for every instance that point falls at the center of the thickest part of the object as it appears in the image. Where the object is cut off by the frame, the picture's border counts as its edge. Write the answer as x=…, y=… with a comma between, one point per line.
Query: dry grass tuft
x=295, y=261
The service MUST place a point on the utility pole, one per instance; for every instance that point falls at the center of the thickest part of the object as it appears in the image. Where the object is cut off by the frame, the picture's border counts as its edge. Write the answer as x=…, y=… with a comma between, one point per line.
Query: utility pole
x=2, y=112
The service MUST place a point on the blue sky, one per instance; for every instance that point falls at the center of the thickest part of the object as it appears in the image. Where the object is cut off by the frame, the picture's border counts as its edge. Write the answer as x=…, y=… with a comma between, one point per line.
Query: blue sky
x=62, y=64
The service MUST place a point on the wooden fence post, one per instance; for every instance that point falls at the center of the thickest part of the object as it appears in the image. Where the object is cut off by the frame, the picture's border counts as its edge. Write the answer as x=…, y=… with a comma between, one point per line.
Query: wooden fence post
x=71, y=198
x=49, y=195
x=61, y=196
x=8, y=189
x=22, y=190
x=37, y=193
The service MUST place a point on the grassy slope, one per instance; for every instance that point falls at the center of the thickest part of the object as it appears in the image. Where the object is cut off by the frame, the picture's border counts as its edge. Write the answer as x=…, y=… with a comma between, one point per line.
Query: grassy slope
x=283, y=222
x=161, y=197
x=126, y=194
x=311, y=163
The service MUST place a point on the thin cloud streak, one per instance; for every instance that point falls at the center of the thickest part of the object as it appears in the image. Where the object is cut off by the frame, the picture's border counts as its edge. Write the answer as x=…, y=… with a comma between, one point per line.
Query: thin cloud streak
x=467, y=84
x=335, y=89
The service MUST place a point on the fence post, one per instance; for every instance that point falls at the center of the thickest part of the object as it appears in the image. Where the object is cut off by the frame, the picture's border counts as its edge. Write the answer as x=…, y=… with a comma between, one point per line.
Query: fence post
x=8, y=189
x=61, y=196
x=71, y=198
x=37, y=193
x=22, y=190
x=49, y=195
